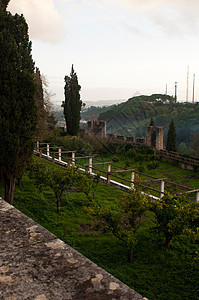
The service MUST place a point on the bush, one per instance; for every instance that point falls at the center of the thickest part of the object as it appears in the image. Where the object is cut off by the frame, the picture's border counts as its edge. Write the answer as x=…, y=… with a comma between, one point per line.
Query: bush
x=153, y=165
x=114, y=158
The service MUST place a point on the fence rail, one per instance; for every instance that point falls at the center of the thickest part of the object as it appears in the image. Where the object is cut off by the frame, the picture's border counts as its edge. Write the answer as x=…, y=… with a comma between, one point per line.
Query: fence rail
x=109, y=173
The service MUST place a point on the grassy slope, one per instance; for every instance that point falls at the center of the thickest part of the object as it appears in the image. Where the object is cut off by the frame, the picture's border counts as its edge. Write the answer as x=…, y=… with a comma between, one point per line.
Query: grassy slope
x=155, y=272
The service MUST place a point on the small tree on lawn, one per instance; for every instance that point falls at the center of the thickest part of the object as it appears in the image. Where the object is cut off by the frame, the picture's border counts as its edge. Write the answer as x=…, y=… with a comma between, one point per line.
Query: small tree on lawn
x=72, y=104
x=88, y=185
x=59, y=180
x=171, y=138
x=173, y=215
x=122, y=222
x=192, y=230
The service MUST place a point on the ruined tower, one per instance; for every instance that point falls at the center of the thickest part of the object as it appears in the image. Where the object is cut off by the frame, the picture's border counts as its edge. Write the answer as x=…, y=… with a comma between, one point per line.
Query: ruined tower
x=155, y=137
x=97, y=128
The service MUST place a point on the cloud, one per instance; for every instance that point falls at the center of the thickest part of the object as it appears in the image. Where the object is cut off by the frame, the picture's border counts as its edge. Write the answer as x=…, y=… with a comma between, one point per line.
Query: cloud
x=45, y=23
x=173, y=17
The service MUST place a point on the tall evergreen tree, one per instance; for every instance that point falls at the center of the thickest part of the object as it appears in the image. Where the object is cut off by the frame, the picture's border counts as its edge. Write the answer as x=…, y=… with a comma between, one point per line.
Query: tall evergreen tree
x=72, y=104
x=151, y=122
x=41, y=113
x=17, y=99
x=4, y=4
x=171, y=137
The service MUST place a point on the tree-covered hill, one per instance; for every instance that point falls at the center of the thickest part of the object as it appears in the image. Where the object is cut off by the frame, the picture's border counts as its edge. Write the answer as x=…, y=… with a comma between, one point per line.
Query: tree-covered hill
x=92, y=112
x=133, y=116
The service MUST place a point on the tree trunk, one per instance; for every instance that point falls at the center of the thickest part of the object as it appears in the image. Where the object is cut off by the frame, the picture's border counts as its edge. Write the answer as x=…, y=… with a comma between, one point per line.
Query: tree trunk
x=58, y=205
x=167, y=241
x=19, y=182
x=9, y=185
x=129, y=255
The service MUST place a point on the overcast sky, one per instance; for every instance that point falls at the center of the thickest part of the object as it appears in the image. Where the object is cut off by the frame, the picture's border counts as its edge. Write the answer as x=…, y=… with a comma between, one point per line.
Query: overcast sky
x=119, y=48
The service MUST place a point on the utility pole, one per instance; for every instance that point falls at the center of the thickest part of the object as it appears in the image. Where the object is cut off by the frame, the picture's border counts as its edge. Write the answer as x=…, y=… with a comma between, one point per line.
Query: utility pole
x=193, y=87
x=187, y=94
x=166, y=90
x=176, y=92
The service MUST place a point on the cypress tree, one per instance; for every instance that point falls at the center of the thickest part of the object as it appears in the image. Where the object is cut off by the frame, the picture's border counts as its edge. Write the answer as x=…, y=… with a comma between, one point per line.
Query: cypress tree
x=171, y=138
x=17, y=99
x=72, y=104
x=4, y=4
x=151, y=122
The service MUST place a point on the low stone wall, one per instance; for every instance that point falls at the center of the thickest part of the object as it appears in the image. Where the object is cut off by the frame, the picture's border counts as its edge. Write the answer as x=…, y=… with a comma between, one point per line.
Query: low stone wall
x=34, y=264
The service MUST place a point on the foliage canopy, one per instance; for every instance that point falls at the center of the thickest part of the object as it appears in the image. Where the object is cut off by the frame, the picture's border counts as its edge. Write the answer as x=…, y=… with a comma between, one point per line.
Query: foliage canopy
x=17, y=100
x=171, y=138
x=72, y=104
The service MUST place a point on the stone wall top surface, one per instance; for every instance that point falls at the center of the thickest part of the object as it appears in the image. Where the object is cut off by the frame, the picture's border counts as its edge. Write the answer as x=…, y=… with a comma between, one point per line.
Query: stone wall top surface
x=34, y=264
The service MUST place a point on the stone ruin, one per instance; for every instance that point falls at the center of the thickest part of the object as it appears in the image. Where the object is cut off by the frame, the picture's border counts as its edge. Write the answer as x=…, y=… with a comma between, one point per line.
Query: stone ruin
x=141, y=141
x=155, y=137
x=97, y=128
x=121, y=138
x=130, y=139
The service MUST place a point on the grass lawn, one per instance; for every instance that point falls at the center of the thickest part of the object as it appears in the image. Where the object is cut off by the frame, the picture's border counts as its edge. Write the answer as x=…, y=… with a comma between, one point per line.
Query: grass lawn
x=165, y=170
x=156, y=272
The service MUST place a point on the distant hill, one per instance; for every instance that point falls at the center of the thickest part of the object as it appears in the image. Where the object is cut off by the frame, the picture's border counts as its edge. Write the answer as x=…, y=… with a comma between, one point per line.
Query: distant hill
x=133, y=116
x=93, y=112
x=101, y=103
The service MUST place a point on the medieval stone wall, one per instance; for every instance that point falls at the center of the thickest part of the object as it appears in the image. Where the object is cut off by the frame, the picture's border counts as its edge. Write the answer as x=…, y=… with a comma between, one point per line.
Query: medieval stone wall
x=155, y=137
x=97, y=128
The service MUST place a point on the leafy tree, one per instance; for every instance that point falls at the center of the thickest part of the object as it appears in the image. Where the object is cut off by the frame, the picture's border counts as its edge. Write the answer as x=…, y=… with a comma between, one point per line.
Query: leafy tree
x=88, y=185
x=122, y=222
x=45, y=119
x=62, y=180
x=182, y=147
x=58, y=180
x=72, y=104
x=173, y=215
x=17, y=99
x=195, y=142
x=171, y=137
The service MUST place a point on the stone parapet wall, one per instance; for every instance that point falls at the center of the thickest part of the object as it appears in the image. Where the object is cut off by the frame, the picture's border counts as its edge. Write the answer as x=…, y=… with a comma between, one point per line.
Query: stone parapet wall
x=35, y=264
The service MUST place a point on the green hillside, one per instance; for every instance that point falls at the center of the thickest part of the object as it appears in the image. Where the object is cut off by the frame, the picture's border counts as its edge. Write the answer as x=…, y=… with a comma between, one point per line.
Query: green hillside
x=133, y=116
x=93, y=112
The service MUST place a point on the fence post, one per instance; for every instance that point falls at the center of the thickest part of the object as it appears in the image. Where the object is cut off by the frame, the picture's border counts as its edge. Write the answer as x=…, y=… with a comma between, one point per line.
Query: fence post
x=73, y=158
x=53, y=157
x=197, y=196
x=40, y=153
x=59, y=151
x=132, y=180
x=48, y=150
x=90, y=165
x=37, y=146
x=109, y=174
x=161, y=189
